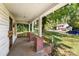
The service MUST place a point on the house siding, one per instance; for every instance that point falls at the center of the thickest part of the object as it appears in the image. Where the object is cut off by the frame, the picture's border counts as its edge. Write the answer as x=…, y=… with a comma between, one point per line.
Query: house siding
x=4, y=28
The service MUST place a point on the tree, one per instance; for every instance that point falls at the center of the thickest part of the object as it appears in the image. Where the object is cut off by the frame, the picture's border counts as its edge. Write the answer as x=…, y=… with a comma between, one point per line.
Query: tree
x=67, y=14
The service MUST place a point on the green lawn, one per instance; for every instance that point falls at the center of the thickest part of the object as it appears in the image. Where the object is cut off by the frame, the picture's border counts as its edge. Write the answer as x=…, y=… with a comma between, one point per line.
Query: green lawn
x=69, y=43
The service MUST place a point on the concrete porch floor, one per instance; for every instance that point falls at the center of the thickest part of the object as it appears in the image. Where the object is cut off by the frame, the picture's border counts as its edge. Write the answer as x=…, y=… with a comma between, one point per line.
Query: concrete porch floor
x=22, y=47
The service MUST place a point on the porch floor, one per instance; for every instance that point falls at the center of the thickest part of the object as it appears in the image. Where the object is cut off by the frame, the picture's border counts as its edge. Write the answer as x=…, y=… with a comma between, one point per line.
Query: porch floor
x=22, y=47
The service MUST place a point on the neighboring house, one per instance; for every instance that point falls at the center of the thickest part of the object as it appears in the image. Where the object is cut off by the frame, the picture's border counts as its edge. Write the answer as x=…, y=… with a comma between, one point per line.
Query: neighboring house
x=6, y=28
x=63, y=27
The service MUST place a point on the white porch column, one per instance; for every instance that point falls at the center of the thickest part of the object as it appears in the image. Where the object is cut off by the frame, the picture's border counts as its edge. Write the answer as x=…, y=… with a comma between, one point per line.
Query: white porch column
x=40, y=27
x=33, y=26
x=16, y=29
x=29, y=27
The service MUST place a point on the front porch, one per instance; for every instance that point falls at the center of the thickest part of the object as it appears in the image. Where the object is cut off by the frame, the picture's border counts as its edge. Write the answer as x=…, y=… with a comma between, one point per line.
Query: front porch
x=33, y=43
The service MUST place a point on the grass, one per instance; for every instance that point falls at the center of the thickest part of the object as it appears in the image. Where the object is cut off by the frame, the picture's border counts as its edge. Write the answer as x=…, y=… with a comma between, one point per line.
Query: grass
x=67, y=40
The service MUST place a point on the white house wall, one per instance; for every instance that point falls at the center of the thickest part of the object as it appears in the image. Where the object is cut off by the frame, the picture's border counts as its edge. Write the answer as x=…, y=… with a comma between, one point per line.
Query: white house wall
x=4, y=28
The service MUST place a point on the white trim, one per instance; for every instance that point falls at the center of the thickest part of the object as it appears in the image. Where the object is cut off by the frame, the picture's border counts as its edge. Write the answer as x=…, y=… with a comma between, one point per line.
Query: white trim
x=40, y=26
x=29, y=27
x=33, y=26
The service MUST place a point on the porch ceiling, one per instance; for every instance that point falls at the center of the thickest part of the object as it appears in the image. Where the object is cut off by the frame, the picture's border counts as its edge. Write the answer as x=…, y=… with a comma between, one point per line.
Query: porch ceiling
x=24, y=12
